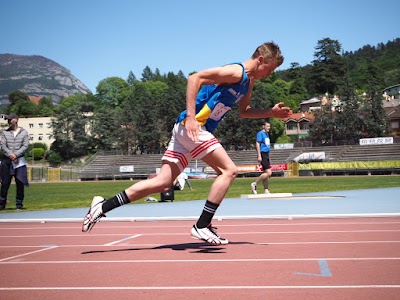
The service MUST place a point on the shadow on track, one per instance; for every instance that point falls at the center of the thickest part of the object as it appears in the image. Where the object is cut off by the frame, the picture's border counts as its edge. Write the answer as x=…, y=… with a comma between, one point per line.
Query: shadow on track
x=198, y=247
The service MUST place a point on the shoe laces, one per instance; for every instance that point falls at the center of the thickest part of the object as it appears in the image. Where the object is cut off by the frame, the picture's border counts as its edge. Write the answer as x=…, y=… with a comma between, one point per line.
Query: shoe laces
x=95, y=217
x=213, y=229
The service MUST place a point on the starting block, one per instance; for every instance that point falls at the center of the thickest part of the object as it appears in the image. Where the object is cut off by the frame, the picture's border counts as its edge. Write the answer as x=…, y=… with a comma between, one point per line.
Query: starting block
x=267, y=196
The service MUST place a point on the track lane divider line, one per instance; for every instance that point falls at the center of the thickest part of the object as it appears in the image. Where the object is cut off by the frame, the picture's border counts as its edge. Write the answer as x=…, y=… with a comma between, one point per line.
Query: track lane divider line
x=123, y=240
x=208, y=287
x=28, y=253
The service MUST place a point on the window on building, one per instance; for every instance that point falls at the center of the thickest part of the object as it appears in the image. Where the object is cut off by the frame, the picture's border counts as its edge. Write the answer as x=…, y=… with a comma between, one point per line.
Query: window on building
x=30, y=125
x=291, y=125
x=40, y=125
x=395, y=125
x=40, y=137
x=31, y=137
x=304, y=126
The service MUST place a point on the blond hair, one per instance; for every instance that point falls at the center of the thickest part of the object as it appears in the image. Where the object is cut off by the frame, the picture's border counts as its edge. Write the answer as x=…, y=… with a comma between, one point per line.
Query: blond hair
x=270, y=51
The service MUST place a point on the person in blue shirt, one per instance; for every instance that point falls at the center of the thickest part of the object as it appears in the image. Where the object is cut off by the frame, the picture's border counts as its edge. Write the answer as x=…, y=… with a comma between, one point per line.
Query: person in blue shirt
x=210, y=94
x=263, y=147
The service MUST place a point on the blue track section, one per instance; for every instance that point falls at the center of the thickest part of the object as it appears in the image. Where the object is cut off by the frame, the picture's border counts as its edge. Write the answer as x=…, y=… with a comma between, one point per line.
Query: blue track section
x=370, y=202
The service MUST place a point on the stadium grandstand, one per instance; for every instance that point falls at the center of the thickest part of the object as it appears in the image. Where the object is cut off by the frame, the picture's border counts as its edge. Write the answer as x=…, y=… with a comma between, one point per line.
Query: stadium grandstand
x=336, y=160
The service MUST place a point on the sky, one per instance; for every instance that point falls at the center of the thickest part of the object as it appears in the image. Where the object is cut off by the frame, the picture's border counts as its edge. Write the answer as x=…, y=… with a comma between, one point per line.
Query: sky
x=100, y=39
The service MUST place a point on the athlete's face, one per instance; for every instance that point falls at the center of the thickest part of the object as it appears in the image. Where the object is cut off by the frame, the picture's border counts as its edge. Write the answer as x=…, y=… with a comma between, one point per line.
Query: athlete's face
x=264, y=69
x=267, y=127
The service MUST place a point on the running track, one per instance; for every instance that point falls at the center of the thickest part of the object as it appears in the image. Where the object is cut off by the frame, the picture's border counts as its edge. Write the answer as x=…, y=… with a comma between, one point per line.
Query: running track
x=316, y=258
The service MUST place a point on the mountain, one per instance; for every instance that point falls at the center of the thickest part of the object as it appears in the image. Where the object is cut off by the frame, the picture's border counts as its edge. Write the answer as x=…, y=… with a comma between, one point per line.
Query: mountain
x=37, y=76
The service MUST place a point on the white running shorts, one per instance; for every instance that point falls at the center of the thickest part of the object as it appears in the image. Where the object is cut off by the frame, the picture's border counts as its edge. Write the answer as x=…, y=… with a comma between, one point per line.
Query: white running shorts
x=182, y=149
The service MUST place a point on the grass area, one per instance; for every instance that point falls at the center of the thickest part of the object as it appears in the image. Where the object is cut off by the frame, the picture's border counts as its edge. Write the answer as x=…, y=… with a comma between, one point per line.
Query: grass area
x=45, y=196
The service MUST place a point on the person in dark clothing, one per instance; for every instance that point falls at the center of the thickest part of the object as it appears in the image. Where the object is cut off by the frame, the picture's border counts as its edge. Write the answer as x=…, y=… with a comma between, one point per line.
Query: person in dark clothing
x=14, y=144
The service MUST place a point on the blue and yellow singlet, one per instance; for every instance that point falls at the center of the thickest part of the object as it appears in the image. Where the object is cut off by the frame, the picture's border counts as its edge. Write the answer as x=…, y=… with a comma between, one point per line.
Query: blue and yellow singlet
x=214, y=101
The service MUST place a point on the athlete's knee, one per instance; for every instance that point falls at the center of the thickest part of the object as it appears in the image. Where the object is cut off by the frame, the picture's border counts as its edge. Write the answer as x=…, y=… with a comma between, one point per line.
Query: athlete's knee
x=232, y=172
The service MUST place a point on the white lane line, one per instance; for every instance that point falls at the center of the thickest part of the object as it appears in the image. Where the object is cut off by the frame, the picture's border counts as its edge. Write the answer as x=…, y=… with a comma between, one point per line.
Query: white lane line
x=28, y=253
x=195, y=217
x=222, y=225
x=62, y=235
x=208, y=287
x=231, y=233
x=250, y=243
x=123, y=240
x=238, y=260
x=310, y=243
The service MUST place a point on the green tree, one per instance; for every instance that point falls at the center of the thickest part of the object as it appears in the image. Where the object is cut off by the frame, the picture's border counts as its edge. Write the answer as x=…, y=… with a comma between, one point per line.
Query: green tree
x=54, y=159
x=277, y=129
x=375, y=119
x=125, y=126
x=328, y=66
x=147, y=74
x=17, y=96
x=297, y=78
x=131, y=79
x=45, y=107
x=297, y=90
x=24, y=109
x=36, y=153
x=349, y=124
x=71, y=131
x=113, y=92
x=323, y=131
x=148, y=97
x=105, y=128
x=87, y=102
x=21, y=105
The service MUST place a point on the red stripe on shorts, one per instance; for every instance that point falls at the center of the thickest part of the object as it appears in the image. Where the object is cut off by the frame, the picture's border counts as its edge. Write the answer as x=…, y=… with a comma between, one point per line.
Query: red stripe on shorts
x=203, y=146
x=179, y=156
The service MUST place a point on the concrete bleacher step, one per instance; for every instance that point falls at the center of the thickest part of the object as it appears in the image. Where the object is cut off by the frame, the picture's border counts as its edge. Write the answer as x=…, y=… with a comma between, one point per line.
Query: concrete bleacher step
x=109, y=164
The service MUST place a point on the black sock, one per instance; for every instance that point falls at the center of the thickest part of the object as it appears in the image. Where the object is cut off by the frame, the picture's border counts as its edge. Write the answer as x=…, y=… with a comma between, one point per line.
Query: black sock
x=116, y=201
x=207, y=214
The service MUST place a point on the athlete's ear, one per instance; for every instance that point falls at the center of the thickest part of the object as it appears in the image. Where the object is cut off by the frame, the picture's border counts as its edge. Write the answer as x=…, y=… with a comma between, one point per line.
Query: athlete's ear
x=260, y=59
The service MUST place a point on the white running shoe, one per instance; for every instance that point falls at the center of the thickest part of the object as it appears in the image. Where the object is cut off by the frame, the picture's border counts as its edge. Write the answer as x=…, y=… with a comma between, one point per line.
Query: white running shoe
x=94, y=214
x=208, y=235
x=254, y=187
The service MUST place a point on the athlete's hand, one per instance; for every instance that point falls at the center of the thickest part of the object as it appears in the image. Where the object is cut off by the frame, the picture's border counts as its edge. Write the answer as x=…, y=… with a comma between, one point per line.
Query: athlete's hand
x=280, y=111
x=193, y=128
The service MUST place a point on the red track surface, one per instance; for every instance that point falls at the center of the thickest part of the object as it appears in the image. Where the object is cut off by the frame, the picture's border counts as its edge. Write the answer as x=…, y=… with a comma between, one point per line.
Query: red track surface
x=266, y=259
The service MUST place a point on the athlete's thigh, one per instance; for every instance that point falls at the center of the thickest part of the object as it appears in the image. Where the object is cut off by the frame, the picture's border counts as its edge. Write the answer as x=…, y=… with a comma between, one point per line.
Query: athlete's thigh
x=168, y=171
x=219, y=160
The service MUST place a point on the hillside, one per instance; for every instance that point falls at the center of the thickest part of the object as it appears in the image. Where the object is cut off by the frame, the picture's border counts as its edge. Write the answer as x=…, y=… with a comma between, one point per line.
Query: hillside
x=36, y=76
x=385, y=56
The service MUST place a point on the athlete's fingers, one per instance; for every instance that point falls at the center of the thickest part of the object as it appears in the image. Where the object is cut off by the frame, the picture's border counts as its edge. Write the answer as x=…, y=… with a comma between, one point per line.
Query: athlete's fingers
x=193, y=128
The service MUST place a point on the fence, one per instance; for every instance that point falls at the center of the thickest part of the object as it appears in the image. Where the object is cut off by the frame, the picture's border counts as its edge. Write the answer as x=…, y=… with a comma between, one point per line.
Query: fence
x=48, y=174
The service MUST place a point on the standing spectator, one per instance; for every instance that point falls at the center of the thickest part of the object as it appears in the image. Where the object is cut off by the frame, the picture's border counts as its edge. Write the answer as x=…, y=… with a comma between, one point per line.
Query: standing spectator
x=14, y=144
x=263, y=147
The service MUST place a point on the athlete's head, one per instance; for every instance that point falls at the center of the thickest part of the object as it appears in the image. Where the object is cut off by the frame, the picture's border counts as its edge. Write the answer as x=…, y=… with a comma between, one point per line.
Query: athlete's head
x=271, y=53
x=269, y=57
